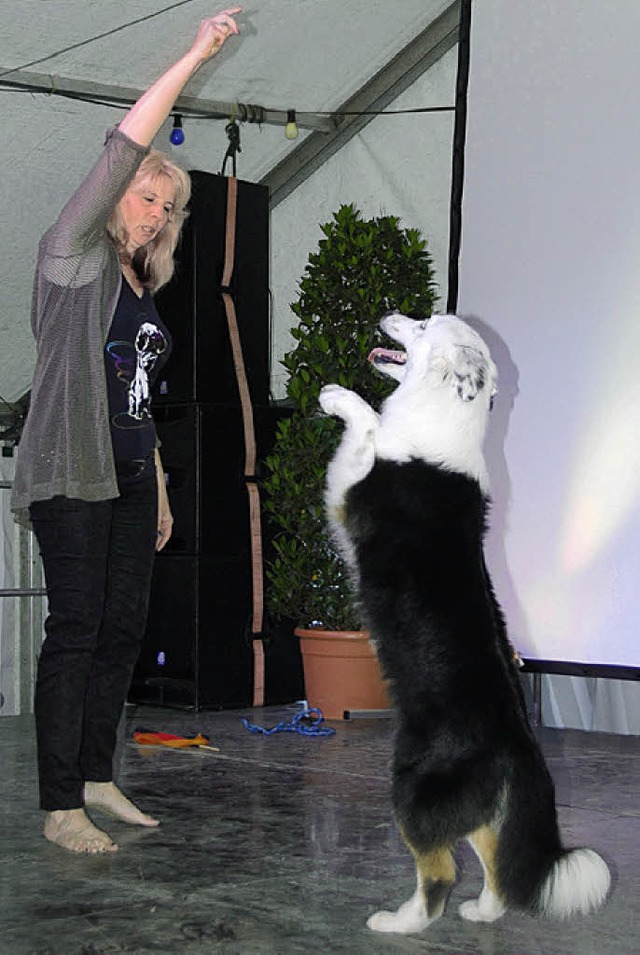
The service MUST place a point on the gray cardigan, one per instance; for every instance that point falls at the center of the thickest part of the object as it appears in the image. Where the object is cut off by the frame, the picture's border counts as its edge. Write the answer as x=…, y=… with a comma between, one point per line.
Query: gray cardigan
x=66, y=446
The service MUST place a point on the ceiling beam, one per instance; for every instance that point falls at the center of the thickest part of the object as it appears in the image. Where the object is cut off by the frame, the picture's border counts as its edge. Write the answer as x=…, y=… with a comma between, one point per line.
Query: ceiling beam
x=388, y=83
x=112, y=94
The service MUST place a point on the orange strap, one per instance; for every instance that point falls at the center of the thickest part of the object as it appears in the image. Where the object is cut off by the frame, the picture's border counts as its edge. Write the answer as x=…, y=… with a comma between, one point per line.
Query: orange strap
x=249, y=446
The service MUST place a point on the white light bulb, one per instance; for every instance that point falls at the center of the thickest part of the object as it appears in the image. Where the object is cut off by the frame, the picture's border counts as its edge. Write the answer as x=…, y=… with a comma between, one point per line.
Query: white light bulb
x=291, y=129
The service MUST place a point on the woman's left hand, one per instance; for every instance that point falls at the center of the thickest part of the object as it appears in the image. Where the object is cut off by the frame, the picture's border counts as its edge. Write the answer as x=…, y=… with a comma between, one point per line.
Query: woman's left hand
x=165, y=527
x=165, y=517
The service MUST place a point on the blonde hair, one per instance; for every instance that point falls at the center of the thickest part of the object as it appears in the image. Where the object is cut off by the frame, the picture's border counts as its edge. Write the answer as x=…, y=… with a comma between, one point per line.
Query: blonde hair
x=154, y=264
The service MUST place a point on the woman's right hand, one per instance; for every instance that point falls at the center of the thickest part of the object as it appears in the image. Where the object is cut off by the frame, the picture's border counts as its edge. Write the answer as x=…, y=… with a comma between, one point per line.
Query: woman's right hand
x=213, y=33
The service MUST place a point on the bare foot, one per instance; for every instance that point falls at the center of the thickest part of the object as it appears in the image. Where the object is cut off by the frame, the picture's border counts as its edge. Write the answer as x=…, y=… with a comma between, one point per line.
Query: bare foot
x=107, y=798
x=73, y=830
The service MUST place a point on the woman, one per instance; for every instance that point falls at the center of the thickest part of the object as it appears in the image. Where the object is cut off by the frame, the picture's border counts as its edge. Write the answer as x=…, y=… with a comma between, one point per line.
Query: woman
x=88, y=474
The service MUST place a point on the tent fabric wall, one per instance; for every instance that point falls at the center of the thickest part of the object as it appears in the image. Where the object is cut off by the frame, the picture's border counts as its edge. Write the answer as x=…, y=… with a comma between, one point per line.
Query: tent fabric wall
x=588, y=703
x=397, y=165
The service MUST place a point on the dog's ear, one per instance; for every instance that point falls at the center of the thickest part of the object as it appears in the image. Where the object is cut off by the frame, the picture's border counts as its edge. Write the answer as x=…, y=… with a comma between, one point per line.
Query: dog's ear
x=471, y=371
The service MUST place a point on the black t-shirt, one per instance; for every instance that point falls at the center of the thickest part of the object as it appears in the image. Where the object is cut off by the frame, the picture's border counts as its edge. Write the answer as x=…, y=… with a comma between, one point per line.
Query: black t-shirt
x=138, y=345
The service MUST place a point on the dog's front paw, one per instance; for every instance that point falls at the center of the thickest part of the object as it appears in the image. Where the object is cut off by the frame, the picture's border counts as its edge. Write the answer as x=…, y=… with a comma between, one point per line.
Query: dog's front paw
x=332, y=398
x=346, y=404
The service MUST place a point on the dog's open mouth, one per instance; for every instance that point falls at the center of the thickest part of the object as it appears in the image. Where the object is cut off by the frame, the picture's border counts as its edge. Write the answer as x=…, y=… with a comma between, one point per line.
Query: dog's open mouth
x=386, y=356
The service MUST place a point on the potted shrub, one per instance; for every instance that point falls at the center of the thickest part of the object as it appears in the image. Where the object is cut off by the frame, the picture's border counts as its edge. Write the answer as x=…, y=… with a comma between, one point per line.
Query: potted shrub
x=361, y=270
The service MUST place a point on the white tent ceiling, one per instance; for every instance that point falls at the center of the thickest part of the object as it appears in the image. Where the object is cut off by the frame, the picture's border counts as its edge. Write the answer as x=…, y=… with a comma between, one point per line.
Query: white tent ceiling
x=308, y=55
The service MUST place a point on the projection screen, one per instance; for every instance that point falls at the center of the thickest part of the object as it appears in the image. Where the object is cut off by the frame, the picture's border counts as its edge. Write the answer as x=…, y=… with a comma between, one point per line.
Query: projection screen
x=549, y=272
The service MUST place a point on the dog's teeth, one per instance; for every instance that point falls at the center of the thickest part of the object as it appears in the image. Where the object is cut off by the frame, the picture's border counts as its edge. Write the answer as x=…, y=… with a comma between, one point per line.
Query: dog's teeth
x=386, y=355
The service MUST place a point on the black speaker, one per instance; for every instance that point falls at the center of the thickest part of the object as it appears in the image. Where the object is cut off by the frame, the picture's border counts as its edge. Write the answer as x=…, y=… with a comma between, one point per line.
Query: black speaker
x=203, y=455
x=201, y=365
x=197, y=649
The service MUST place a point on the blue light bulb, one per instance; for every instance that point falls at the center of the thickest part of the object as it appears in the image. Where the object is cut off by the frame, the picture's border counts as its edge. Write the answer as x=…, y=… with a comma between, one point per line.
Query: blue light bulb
x=177, y=134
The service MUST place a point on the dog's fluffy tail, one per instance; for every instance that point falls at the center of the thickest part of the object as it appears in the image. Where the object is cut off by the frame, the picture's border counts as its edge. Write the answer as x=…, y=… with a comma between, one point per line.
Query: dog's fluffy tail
x=577, y=884
x=534, y=870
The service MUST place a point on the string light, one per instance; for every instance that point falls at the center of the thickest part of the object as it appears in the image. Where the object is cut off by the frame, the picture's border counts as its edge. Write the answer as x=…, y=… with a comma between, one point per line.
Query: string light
x=291, y=129
x=177, y=133
x=250, y=114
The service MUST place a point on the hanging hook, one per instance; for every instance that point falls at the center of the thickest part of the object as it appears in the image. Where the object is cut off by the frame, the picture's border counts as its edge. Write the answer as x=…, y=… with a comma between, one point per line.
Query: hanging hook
x=233, y=134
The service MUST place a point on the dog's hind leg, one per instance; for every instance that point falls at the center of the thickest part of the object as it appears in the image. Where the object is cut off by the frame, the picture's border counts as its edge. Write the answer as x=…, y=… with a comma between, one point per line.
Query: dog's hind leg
x=488, y=906
x=436, y=874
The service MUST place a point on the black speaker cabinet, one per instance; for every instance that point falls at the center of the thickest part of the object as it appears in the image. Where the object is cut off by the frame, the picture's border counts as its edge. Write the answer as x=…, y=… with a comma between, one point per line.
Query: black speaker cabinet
x=203, y=455
x=201, y=365
x=197, y=650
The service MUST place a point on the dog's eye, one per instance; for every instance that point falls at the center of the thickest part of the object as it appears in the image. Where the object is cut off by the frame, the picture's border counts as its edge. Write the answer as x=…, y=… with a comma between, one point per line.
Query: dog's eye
x=423, y=325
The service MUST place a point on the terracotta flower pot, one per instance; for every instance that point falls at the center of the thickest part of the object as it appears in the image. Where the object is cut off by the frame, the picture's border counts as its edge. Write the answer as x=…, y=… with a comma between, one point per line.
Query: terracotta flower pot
x=341, y=672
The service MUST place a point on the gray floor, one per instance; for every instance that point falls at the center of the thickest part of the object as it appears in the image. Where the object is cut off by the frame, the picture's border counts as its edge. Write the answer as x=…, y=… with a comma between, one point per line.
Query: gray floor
x=284, y=844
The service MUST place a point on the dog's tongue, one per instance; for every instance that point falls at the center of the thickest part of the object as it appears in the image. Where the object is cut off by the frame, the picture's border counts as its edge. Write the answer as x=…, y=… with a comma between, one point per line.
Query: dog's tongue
x=387, y=355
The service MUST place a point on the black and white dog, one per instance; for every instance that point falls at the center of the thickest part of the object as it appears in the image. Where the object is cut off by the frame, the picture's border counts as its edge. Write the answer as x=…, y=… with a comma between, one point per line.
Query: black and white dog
x=407, y=497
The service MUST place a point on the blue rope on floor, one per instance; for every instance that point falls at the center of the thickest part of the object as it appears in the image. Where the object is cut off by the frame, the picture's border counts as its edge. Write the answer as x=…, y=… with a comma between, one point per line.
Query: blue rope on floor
x=308, y=723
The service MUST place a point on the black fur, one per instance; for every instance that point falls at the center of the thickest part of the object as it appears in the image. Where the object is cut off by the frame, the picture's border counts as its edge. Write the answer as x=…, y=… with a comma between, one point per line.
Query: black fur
x=465, y=752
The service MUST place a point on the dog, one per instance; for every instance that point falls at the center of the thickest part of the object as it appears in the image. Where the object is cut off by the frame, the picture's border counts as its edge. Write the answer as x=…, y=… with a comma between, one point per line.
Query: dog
x=407, y=499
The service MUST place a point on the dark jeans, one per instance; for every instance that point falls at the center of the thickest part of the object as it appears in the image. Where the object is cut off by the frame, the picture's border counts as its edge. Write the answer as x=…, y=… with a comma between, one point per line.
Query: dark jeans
x=97, y=558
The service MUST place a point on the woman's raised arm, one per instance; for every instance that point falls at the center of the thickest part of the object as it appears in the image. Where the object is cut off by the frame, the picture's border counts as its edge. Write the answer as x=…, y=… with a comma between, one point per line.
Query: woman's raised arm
x=144, y=119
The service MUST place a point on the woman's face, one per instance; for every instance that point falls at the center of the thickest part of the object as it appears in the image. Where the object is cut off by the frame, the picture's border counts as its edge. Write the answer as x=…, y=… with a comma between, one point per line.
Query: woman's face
x=145, y=209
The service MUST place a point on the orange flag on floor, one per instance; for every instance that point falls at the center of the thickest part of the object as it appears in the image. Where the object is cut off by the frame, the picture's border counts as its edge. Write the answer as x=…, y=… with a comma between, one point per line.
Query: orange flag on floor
x=170, y=739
